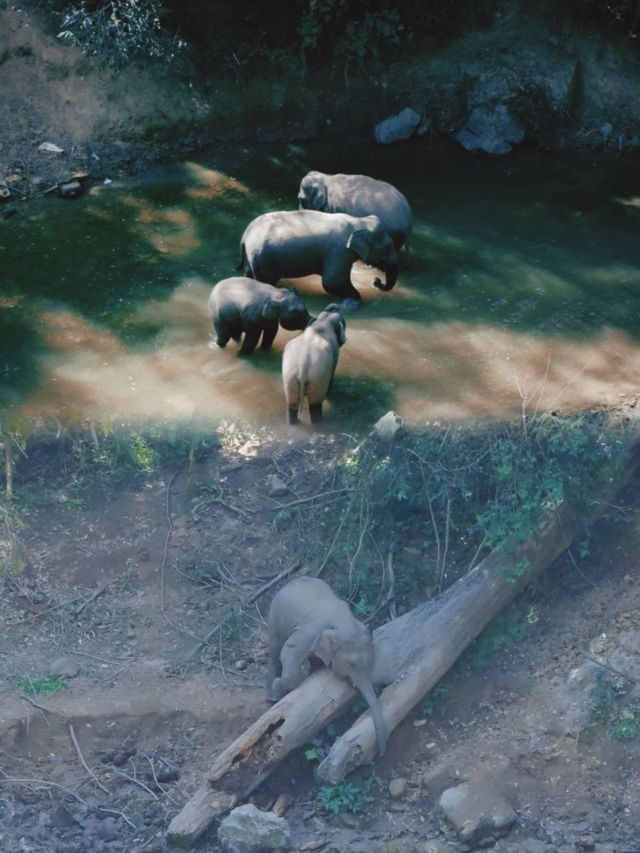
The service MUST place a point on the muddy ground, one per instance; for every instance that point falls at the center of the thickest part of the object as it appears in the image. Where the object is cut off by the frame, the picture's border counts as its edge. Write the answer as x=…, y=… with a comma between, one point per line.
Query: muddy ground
x=117, y=589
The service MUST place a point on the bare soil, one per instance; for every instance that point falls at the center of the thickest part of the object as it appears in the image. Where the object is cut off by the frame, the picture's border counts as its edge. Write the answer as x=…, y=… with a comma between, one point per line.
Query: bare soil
x=116, y=595
x=116, y=592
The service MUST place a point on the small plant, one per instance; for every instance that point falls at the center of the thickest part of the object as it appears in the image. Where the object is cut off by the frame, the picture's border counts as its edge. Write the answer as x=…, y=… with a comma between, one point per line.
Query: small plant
x=343, y=797
x=627, y=725
x=35, y=686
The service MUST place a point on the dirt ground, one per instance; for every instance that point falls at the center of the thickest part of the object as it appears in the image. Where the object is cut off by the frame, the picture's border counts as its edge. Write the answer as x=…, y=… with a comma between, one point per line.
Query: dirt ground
x=115, y=595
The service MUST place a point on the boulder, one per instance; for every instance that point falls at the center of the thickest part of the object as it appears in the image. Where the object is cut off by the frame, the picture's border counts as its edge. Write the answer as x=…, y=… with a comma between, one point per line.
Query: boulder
x=490, y=129
x=247, y=829
x=477, y=811
x=400, y=126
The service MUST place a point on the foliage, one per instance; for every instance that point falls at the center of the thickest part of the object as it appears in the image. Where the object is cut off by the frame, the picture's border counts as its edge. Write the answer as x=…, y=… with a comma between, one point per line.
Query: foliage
x=343, y=797
x=627, y=725
x=117, y=31
x=35, y=686
x=77, y=462
x=442, y=498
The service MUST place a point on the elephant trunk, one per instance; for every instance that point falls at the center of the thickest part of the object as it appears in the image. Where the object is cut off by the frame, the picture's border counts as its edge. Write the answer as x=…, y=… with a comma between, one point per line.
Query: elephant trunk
x=369, y=695
x=390, y=276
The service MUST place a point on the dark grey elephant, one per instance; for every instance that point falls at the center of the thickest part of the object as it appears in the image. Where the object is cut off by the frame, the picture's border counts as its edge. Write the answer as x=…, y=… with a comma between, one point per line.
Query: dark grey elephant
x=359, y=195
x=241, y=305
x=309, y=363
x=307, y=619
x=292, y=243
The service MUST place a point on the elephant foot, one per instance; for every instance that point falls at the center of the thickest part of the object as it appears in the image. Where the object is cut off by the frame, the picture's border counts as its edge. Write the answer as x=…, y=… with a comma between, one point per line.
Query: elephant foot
x=293, y=416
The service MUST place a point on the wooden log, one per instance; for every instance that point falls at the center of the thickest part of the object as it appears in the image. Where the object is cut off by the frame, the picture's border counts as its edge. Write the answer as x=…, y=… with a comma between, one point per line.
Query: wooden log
x=412, y=653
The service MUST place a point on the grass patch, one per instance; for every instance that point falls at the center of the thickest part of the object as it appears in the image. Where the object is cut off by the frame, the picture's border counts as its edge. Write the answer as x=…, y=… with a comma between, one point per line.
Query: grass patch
x=39, y=686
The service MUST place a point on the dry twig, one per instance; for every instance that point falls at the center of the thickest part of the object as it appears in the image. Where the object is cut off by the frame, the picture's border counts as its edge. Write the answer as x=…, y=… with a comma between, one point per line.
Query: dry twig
x=84, y=763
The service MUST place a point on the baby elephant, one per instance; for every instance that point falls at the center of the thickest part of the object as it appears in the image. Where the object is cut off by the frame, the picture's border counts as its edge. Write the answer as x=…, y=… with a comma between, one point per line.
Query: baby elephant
x=309, y=362
x=243, y=305
x=307, y=619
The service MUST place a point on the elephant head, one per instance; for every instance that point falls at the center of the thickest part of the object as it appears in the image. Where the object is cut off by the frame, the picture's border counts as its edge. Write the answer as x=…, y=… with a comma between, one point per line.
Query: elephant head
x=312, y=194
x=331, y=315
x=372, y=243
x=348, y=650
x=288, y=309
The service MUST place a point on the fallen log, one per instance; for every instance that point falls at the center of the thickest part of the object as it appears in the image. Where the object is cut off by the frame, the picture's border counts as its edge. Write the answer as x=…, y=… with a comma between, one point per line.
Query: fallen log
x=412, y=653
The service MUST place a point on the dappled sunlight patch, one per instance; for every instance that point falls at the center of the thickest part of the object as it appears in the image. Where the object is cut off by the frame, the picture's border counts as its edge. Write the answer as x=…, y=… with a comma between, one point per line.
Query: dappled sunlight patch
x=460, y=370
x=184, y=313
x=171, y=231
x=210, y=183
x=66, y=330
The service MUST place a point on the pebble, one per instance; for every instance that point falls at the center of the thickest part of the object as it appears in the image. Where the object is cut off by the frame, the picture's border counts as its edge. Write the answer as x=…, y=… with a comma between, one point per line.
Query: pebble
x=397, y=787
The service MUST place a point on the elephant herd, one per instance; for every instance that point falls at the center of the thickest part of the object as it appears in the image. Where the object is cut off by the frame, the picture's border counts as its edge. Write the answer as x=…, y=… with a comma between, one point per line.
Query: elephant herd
x=341, y=218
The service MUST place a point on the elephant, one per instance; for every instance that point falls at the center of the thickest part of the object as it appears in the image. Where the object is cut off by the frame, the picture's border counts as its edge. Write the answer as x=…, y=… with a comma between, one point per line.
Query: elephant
x=359, y=195
x=292, y=243
x=306, y=620
x=309, y=362
x=240, y=305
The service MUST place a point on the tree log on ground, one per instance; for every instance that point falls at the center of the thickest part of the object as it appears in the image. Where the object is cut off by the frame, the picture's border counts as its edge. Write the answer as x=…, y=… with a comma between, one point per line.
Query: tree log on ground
x=412, y=653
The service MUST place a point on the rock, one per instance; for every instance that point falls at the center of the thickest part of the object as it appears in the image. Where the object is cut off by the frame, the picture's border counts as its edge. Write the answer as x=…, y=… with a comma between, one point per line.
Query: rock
x=388, y=427
x=436, y=845
x=400, y=126
x=477, y=811
x=50, y=148
x=493, y=130
x=247, y=829
x=532, y=845
x=277, y=488
x=587, y=691
x=70, y=189
x=397, y=787
x=8, y=210
x=65, y=667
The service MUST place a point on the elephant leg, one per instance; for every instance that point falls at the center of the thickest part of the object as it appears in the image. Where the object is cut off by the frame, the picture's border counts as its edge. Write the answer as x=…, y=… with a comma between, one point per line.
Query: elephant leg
x=336, y=277
x=293, y=415
x=315, y=412
x=222, y=334
x=273, y=675
x=269, y=333
x=294, y=658
x=250, y=342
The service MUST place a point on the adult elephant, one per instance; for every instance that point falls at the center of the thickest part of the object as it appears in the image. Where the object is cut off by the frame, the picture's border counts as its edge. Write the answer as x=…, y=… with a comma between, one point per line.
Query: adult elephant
x=359, y=195
x=293, y=243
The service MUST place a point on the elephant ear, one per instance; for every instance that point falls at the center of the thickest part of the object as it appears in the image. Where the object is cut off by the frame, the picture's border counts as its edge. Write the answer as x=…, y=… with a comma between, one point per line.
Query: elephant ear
x=272, y=306
x=360, y=242
x=325, y=645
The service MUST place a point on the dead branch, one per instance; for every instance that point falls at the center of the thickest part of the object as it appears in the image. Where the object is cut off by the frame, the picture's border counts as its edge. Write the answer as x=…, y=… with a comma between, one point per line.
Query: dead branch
x=84, y=763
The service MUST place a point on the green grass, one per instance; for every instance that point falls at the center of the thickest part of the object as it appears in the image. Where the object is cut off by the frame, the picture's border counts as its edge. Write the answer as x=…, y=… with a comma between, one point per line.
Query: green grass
x=37, y=686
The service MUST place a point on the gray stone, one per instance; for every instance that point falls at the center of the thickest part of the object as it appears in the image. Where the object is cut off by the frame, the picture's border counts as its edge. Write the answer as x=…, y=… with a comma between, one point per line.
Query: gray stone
x=490, y=129
x=477, y=811
x=586, y=692
x=247, y=829
x=278, y=488
x=397, y=787
x=400, y=126
x=388, y=427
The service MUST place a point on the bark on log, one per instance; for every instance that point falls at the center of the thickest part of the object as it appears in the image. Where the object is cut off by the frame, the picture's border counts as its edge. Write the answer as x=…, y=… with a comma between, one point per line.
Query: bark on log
x=412, y=653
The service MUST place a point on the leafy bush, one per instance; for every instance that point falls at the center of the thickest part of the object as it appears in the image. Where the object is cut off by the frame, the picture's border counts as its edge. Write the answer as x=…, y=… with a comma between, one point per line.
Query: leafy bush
x=117, y=31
